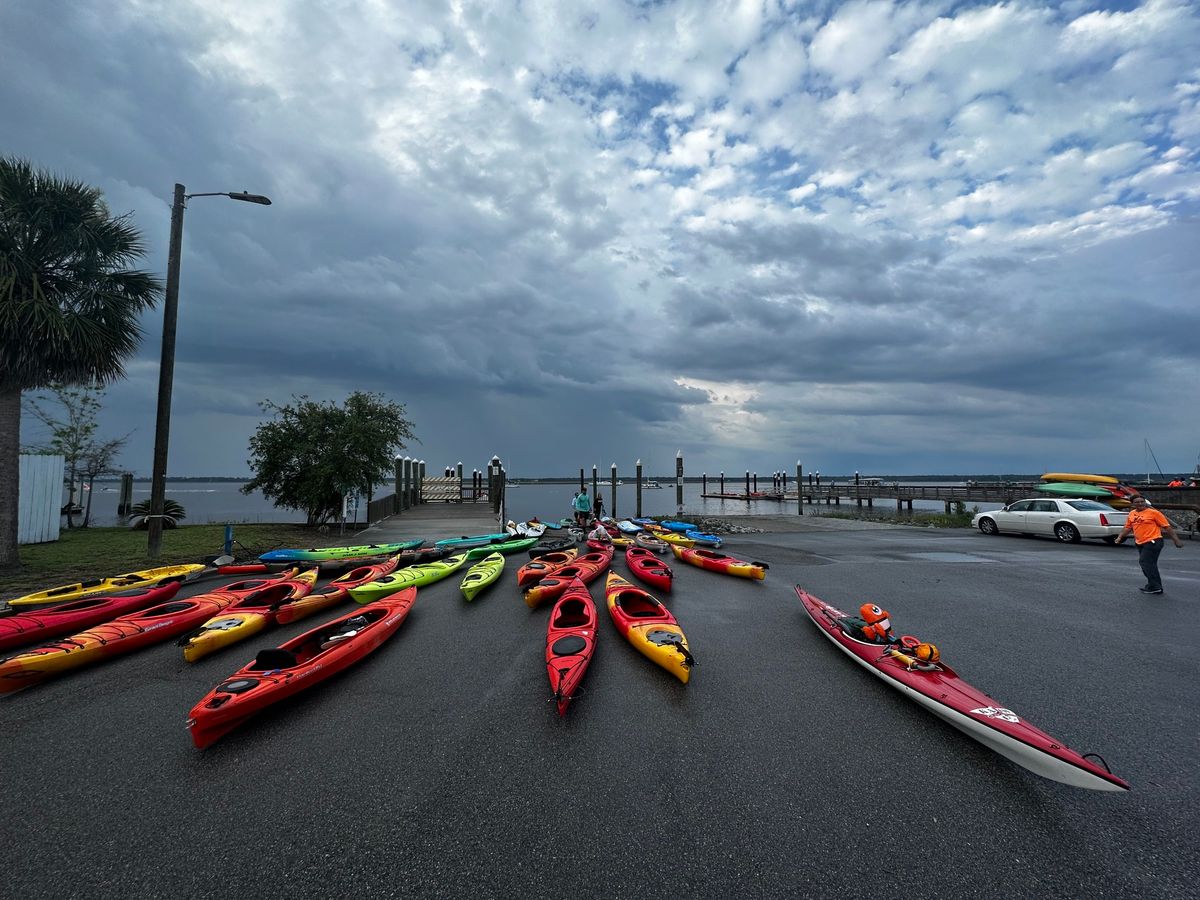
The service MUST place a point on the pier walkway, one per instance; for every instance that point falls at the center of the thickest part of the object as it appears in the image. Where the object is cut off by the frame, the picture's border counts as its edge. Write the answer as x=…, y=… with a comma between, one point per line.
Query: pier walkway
x=433, y=521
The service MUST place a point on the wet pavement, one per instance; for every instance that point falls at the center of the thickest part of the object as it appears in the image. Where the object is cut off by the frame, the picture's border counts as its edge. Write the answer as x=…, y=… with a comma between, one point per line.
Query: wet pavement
x=437, y=768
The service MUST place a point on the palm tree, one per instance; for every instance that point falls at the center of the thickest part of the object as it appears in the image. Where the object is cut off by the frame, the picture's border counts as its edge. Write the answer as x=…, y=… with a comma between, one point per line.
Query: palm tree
x=69, y=303
x=139, y=514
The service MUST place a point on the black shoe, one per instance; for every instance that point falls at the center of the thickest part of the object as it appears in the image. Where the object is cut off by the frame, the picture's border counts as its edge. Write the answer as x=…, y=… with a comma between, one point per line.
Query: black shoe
x=1147, y=590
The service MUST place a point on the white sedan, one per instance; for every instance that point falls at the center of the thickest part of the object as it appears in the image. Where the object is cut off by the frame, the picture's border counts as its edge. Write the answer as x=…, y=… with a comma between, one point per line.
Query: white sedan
x=1067, y=520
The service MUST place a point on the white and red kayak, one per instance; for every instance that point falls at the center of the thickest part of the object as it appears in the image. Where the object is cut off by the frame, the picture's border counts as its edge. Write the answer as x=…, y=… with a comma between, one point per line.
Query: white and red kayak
x=938, y=688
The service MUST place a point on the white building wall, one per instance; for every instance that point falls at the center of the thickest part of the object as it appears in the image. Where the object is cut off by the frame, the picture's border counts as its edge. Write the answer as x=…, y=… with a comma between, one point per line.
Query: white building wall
x=40, y=501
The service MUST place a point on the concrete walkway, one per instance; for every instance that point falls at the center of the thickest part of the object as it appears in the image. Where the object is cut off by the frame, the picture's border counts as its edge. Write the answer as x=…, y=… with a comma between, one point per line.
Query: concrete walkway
x=432, y=521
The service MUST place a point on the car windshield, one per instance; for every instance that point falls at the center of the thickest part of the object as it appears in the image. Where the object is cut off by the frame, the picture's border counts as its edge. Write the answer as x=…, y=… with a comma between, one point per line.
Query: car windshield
x=1089, y=504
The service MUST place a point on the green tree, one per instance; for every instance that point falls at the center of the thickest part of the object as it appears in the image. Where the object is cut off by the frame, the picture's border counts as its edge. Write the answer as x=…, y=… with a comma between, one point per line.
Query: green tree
x=313, y=453
x=69, y=302
x=72, y=430
x=97, y=461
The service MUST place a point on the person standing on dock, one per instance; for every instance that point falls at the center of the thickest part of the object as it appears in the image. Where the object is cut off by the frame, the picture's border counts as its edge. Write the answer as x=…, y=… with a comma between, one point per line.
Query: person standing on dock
x=583, y=506
x=598, y=506
x=1148, y=525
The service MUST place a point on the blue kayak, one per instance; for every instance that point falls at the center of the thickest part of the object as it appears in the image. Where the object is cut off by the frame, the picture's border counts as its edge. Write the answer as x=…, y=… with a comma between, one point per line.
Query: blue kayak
x=680, y=526
x=628, y=527
x=700, y=537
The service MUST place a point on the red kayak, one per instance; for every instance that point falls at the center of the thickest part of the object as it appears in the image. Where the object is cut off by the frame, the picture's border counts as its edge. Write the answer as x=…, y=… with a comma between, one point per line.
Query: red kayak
x=126, y=633
x=570, y=641
x=649, y=568
x=67, y=618
x=279, y=672
x=537, y=569
x=938, y=688
x=585, y=568
x=715, y=561
x=335, y=592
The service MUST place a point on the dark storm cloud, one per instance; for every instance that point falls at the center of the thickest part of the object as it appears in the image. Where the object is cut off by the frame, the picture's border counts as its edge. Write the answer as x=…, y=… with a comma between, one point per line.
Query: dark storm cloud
x=474, y=215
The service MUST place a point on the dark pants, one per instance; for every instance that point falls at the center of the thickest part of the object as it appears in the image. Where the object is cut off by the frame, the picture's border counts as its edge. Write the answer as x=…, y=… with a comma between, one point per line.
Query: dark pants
x=1148, y=559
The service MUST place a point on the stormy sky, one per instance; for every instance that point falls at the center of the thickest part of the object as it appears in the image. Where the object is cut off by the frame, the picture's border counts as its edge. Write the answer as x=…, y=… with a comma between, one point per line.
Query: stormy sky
x=888, y=237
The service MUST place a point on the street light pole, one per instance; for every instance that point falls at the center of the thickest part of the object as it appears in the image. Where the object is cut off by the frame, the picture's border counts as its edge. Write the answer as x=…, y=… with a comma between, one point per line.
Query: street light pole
x=166, y=369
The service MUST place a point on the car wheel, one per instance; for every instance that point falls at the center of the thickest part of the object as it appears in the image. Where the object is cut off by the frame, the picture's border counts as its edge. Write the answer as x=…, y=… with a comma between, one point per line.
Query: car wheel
x=988, y=526
x=1067, y=533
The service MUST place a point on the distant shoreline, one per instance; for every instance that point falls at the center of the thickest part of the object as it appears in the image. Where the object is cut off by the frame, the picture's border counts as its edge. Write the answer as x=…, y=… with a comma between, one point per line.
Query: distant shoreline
x=666, y=480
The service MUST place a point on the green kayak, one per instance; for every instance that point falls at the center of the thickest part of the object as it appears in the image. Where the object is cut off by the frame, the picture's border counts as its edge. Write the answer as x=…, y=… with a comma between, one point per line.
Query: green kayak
x=516, y=545
x=480, y=575
x=313, y=554
x=1073, y=489
x=413, y=576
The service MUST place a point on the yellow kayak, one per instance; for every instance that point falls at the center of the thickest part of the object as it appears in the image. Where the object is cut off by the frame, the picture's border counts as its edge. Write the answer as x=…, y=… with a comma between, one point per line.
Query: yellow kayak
x=677, y=539
x=93, y=586
x=1084, y=479
x=246, y=616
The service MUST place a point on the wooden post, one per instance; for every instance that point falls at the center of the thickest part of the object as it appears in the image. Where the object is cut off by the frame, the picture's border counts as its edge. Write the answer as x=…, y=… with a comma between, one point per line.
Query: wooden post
x=494, y=487
x=459, y=470
x=419, y=482
x=783, y=481
x=679, y=481
x=581, y=478
x=126, y=500
x=638, y=466
x=502, y=480
x=722, y=482
x=613, y=508
x=799, y=489
x=747, y=486
x=399, y=462
x=756, y=482
x=703, y=483
x=595, y=487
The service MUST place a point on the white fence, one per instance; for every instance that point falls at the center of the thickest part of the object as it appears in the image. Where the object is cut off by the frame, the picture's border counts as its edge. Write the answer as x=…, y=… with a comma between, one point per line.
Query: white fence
x=40, y=502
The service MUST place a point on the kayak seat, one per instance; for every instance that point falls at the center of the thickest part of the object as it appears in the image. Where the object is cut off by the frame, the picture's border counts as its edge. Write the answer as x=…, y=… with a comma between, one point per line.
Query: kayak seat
x=274, y=658
x=568, y=645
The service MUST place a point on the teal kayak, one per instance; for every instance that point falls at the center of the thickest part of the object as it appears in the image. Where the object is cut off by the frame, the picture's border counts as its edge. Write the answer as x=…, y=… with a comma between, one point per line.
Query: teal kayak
x=414, y=576
x=516, y=545
x=476, y=540
x=1073, y=489
x=314, y=554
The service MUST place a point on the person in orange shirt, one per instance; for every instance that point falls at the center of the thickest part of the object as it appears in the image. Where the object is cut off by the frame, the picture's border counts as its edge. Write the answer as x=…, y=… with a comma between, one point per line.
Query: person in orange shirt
x=1148, y=526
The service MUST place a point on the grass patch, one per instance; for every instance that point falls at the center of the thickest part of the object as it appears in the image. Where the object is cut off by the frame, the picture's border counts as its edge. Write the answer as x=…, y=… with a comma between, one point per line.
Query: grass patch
x=102, y=552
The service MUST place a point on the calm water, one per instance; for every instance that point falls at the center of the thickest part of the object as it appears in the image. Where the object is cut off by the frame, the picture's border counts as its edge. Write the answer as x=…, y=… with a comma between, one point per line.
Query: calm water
x=223, y=502
x=204, y=502
x=551, y=502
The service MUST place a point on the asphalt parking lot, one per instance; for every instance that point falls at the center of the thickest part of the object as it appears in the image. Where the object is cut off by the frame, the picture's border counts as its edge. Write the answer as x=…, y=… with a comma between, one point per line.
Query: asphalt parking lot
x=437, y=768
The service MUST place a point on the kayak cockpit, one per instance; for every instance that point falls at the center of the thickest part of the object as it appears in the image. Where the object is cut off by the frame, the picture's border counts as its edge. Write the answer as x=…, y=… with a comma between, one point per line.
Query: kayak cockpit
x=638, y=605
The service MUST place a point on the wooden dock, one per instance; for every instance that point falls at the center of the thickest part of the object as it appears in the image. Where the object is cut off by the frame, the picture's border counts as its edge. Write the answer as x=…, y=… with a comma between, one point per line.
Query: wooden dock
x=834, y=494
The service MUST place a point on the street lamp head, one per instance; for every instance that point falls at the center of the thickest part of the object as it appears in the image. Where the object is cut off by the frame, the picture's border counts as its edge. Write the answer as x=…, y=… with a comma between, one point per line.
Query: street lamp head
x=249, y=198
